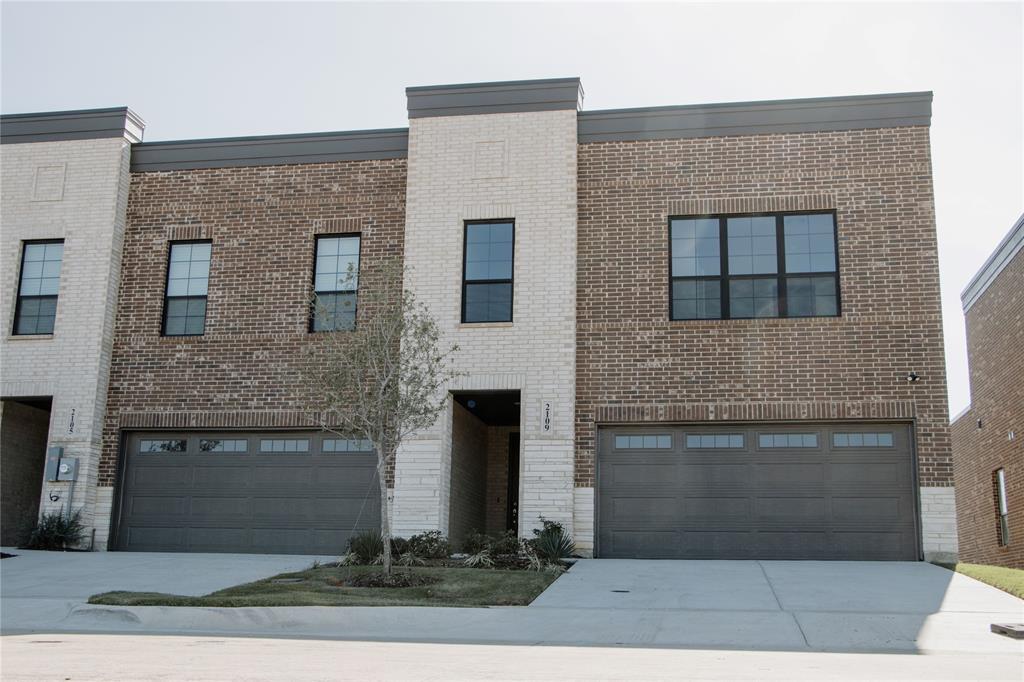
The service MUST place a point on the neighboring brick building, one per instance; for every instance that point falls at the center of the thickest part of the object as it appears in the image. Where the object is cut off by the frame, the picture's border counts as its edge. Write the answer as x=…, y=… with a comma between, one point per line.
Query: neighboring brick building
x=988, y=437
x=593, y=268
x=65, y=187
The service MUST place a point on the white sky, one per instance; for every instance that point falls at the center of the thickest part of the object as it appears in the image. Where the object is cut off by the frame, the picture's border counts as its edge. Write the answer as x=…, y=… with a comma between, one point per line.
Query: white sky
x=202, y=70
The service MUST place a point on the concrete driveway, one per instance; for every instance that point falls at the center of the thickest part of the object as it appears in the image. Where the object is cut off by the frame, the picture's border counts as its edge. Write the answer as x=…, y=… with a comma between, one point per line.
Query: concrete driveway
x=821, y=605
x=38, y=587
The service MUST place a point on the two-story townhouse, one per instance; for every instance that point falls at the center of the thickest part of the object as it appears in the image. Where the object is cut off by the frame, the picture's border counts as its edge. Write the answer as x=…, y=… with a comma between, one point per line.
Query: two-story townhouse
x=704, y=331
x=62, y=218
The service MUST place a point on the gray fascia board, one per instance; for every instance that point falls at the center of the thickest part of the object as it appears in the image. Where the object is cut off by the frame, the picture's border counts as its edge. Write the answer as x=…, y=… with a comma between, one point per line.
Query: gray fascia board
x=1008, y=248
x=80, y=124
x=270, y=150
x=466, y=99
x=754, y=118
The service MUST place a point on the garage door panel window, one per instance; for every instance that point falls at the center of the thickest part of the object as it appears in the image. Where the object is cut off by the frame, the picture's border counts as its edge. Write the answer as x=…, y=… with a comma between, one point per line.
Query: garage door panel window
x=717, y=441
x=331, y=445
x=227, y=445
x=774, y=265
x=787, y=440
x=286, y=445
x=862, y=440
x=643, y=442
x=170, y=445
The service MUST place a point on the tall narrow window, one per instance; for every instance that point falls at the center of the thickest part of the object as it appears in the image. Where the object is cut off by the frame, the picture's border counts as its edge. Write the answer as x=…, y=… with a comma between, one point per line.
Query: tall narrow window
x=188, y=274
x=777, y=265
x=36, y=307
x=1001, y=508
x=487, y=271
x=336, y=283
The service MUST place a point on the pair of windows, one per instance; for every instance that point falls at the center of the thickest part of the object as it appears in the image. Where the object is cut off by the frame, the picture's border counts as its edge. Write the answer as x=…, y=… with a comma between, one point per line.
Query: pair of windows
x=335, y=285
x=779, y=265
x=36, y=307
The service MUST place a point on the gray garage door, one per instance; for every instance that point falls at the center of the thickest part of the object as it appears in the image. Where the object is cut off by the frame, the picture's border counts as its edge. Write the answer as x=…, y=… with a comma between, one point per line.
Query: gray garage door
x=283, y=493
x=741, y=492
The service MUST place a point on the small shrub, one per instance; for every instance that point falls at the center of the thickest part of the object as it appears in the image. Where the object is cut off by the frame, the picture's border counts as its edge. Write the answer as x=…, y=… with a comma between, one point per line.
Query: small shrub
x=54, y=531
x=410, y=559
x=430, y=545
x=481, y=559
x=399, y=546
x=551, y=543
x=506, y=543
x=366, y=547
x=475, y=542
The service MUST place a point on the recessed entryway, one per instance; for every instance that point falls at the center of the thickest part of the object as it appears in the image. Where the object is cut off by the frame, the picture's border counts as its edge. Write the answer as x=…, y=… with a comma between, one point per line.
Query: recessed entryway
x=24, y=430
x=485, y=463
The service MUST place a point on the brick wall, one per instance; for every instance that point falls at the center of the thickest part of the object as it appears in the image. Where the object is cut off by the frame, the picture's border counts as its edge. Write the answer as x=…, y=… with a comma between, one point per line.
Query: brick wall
x=74, y=190
x=497, y=478
x=262, y=221
x=995, y=334
x=469, y=474
x=633, y=364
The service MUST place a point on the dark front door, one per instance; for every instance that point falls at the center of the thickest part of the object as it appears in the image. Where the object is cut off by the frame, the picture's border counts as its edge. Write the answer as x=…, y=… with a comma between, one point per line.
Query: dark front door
x=512, y=514
x=275, y=493
x=816, y=491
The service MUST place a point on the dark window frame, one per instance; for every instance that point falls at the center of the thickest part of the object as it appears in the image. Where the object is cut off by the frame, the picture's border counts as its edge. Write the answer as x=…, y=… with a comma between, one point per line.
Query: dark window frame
x=781, y=276
x=19, y=298
x=167, y=284
x=510, y=281
x=313, y=299
x=1002, y=507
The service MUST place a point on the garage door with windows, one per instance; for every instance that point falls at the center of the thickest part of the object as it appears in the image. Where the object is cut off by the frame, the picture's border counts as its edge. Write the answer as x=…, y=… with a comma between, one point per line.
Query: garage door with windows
x=282, y=493
x=835, y=491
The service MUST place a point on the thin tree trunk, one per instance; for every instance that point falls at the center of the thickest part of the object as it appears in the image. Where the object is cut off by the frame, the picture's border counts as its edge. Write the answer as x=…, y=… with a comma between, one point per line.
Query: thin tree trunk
x=385, y=521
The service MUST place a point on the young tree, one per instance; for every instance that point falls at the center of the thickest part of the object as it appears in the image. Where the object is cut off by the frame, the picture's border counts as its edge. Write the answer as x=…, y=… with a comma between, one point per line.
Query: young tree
x=381, y=380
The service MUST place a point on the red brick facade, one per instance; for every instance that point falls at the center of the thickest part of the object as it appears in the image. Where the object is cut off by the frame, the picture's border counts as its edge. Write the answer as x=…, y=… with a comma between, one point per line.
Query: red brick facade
x=635, y=365
x=262, y=221
x=995, y=332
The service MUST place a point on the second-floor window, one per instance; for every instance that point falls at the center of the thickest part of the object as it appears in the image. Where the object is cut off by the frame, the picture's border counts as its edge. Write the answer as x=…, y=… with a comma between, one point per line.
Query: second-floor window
x=36, y=308
x=336, y=283
x=487, y=271
x=778, y=265
x=188, y=273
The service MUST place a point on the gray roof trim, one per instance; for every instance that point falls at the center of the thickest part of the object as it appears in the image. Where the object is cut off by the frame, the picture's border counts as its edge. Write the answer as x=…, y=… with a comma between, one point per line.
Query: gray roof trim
x=1008, y=248
x=551, y=94
x=271, y=150
x=78, y=124
x=755, y=118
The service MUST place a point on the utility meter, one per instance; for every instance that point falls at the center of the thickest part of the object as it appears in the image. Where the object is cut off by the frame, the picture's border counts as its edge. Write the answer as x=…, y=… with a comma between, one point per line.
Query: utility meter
x=67, y=470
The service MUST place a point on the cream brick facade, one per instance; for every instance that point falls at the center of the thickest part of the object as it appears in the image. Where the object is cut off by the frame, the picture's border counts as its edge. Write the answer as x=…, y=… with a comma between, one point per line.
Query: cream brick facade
x=75, y=190
x=504, y=165
x=938, y=523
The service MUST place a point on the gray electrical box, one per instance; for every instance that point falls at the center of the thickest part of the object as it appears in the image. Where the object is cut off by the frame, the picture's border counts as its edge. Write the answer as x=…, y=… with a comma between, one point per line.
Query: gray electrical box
x=67, y=470
x=53, y=457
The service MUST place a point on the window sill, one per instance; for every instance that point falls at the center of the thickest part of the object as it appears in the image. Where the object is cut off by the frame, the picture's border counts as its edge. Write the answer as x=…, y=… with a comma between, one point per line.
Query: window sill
x=485, y=325
x=28, y=337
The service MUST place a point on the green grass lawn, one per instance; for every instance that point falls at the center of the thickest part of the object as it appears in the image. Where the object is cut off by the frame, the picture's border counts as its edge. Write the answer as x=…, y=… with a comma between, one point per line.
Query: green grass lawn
x=1006, y=579
x=457, y=587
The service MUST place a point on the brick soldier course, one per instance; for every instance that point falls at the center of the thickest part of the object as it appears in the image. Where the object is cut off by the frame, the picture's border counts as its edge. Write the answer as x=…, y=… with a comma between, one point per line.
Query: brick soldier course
x=989, y=435
x=591, y=346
